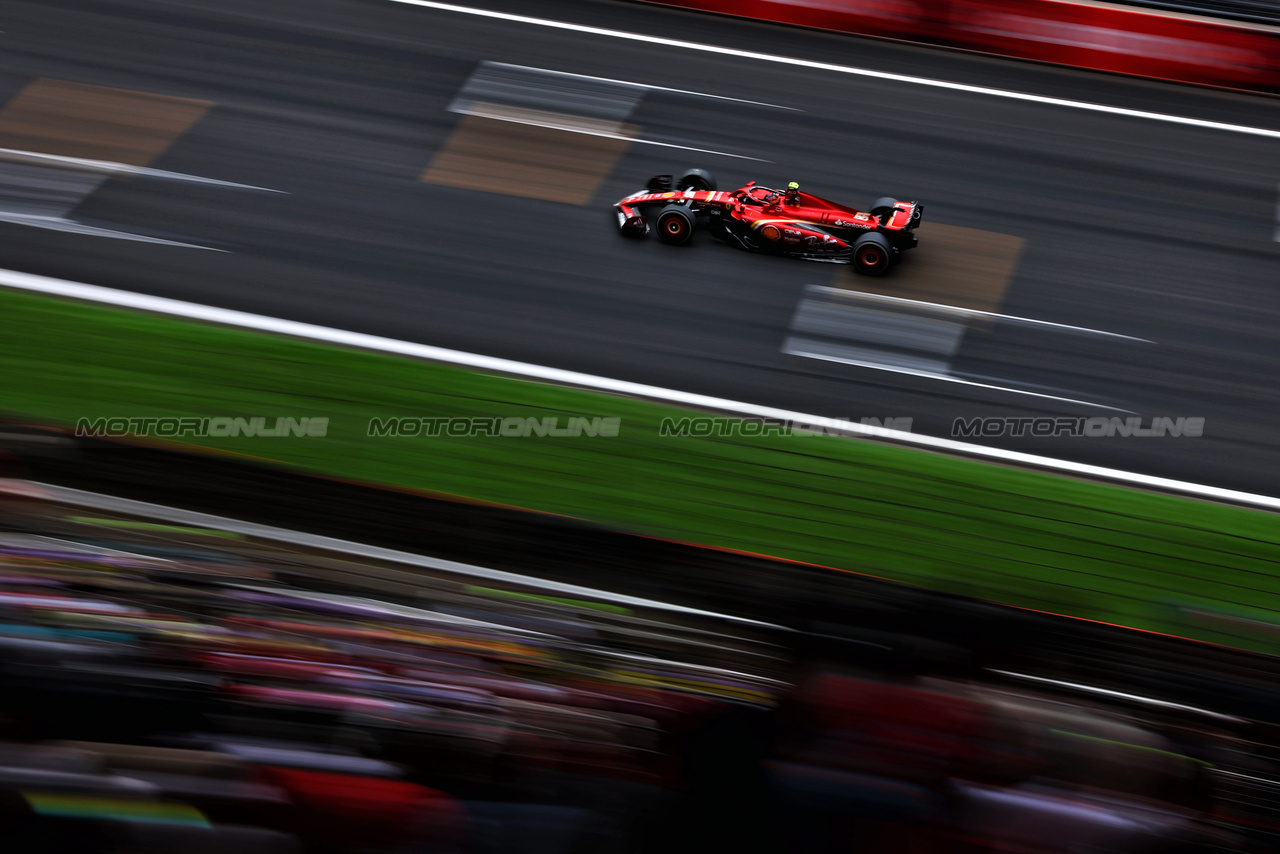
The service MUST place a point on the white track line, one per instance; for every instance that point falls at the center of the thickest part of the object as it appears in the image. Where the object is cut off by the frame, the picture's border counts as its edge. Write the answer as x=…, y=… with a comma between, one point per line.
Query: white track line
x=57, y=223
x=129, y=507
x=642, y=86
x=42, y=159
x=844, y=69
x=498, y=117
x=971, y=312
x=244, y=320
x=932, y=375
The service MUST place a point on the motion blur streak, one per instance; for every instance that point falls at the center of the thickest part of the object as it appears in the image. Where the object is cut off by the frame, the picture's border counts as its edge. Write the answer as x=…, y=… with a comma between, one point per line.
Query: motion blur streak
x=1110, y=693
x=162, y=305
x=975, y=312
x=934, y=375
x=846, y=69
x=117, y=168
x=570, y=127
x=81, y=498
x=645, y=86
x=252, y=696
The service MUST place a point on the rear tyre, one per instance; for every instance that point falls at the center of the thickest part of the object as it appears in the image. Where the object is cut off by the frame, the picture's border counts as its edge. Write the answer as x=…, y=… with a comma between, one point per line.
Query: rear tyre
x=872, y=254
x=696, y=179
x=675, y=225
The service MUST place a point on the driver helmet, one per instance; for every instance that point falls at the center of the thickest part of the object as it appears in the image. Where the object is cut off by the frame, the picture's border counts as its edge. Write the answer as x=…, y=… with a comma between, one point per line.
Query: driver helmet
x=793, y=193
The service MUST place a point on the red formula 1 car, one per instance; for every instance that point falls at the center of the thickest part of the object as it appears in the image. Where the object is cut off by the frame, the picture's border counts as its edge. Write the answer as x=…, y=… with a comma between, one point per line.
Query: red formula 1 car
x=781, y=222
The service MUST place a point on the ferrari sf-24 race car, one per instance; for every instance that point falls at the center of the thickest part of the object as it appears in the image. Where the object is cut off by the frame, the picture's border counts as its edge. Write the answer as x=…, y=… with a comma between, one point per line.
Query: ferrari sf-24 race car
x=781, y=222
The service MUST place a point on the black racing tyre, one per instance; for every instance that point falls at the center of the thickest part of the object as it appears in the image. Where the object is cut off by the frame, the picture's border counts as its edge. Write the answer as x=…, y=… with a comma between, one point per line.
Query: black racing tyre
x=696, y=179
x=675, y=225
x=884, y=204
x=872, y=254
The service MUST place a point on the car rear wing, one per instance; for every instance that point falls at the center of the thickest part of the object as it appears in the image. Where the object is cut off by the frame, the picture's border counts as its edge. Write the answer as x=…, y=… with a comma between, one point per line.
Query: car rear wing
x=904, y=215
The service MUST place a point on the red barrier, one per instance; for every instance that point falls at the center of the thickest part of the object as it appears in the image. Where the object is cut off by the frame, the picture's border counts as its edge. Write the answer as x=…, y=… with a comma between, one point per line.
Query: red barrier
x=1086, y=35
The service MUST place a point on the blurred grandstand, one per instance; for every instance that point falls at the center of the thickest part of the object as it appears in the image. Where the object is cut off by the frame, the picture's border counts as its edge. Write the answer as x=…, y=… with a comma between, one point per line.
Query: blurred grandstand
x=175, y=681
x=1253, y=11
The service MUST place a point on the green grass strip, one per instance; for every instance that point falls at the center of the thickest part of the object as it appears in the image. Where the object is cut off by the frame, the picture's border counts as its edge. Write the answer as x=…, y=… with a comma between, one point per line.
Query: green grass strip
x=1131, y=746
x=549, y=600
x=1037, y=540
x=154, y=526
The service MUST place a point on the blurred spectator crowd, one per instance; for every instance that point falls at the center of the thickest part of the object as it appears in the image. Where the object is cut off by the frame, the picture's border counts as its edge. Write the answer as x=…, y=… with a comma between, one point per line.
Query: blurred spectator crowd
x=1254, y=11
x=193, y=691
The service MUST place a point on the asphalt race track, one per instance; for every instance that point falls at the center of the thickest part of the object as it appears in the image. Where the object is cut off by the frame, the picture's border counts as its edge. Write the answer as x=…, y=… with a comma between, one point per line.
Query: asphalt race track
x=425, y=192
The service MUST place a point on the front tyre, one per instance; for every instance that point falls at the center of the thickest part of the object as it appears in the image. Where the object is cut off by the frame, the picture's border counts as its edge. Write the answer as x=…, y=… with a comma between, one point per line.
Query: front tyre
x=696, y=179
x=872, y=254
x=675, y=225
